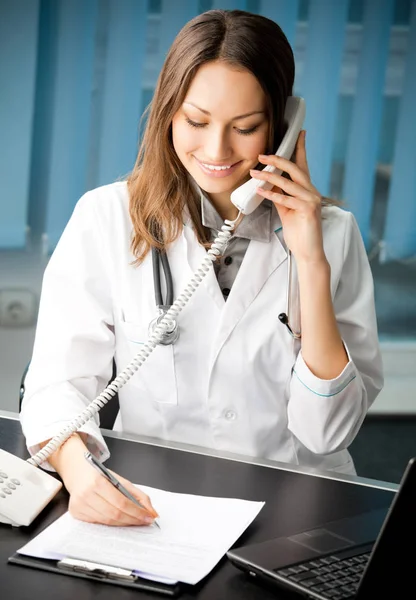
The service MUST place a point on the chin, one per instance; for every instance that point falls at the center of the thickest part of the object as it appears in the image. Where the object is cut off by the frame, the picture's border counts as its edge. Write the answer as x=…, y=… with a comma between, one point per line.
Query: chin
x=212, y=188
x=218, y=186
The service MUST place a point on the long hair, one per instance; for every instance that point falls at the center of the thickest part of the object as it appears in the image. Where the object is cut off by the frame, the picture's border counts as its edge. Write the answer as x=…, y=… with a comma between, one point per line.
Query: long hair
x=159, y=185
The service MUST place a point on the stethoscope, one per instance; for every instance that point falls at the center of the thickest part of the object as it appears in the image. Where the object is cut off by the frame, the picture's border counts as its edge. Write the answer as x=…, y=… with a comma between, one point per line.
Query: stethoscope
x=171, y=335
x=284, y=317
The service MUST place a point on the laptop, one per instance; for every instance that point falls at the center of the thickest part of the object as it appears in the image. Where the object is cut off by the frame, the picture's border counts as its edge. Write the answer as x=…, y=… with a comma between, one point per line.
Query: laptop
x=356, y=557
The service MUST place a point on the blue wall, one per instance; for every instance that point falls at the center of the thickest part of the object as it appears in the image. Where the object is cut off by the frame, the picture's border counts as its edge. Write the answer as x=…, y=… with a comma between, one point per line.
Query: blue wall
x=76, y=76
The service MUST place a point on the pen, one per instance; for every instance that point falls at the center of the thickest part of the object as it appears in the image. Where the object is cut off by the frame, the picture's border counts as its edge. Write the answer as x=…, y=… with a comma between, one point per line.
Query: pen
x=114, y=481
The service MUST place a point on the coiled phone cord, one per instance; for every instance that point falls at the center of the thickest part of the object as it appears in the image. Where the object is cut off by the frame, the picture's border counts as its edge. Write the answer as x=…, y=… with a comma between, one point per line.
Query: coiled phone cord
x=218, y=247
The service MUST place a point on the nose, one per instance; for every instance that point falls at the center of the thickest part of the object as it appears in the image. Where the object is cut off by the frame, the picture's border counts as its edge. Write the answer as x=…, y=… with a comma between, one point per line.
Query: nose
x=217, y=146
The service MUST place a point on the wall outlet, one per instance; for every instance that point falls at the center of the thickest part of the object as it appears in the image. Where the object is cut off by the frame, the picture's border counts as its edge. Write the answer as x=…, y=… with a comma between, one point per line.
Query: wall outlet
x=18, y=307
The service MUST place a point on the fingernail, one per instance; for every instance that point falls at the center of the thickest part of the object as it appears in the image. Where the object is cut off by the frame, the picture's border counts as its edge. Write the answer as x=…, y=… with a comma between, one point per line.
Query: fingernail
x=262, y=155
x=254, y=171
x=148, y=519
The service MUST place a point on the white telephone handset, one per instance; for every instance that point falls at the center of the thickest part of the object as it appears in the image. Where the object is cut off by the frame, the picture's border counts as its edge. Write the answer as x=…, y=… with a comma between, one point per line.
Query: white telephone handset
x=24, y=489
x=245, y=197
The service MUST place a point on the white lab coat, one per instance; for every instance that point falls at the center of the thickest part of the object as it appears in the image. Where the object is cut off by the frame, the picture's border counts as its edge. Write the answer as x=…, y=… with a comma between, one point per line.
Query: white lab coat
x=235, y=380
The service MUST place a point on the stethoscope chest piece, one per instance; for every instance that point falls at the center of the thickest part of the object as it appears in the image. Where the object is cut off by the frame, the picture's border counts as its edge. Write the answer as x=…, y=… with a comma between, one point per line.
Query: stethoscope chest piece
x=171, y=335
x=284, y=318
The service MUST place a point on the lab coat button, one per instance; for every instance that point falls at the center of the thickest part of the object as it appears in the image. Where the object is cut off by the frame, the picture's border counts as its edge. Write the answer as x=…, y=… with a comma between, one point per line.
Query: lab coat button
x=230, y=415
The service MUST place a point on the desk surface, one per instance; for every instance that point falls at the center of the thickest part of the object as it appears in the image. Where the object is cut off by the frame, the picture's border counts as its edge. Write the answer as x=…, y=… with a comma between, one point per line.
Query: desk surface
x=295, y=500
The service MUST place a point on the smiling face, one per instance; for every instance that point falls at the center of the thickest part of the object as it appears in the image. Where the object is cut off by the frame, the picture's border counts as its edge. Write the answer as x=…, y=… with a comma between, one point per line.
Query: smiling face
x=220, y=129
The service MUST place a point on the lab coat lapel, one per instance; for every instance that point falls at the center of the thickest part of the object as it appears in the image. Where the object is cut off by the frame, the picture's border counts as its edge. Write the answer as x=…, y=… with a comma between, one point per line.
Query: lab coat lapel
x=260, y=261
x=195, y=254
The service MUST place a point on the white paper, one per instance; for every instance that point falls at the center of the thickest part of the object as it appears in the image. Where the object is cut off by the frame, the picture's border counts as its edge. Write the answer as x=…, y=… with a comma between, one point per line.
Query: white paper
x=195, y=533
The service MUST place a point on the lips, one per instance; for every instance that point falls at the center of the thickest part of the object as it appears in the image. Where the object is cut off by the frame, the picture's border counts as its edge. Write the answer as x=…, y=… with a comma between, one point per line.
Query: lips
x=217, y=173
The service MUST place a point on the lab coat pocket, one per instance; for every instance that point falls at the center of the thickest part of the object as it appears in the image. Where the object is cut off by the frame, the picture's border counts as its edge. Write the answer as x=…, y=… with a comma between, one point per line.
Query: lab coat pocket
x=156, y=377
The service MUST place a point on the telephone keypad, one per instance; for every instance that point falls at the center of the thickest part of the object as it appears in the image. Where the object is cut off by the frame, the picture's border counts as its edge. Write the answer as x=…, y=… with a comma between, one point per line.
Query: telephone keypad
x=24, y=491
x=9, y=486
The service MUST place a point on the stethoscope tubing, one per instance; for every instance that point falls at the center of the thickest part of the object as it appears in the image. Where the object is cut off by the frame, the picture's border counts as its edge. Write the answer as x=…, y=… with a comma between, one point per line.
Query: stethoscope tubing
x=171, y=334
x=160, y=257
x=285, y=317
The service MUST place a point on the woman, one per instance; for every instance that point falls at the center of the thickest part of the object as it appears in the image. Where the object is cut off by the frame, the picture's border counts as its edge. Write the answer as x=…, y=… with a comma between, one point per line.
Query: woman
x=235, y=380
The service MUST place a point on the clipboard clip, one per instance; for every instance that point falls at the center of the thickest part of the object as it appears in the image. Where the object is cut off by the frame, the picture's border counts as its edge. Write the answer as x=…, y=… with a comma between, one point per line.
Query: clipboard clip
x=96, y=570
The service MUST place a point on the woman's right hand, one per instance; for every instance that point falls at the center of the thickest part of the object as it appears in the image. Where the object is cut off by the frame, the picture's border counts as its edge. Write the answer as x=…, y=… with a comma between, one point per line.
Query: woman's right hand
x=92, y=497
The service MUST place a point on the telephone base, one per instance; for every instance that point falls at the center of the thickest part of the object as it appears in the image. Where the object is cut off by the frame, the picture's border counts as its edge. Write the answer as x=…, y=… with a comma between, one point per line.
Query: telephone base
x=25, y=490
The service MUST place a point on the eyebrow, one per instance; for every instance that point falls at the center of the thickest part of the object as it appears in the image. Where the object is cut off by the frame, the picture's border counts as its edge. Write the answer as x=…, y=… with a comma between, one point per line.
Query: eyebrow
x=254, y=112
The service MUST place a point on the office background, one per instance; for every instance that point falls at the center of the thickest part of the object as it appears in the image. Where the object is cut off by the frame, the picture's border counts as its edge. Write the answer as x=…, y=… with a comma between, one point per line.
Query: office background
x=76, y=75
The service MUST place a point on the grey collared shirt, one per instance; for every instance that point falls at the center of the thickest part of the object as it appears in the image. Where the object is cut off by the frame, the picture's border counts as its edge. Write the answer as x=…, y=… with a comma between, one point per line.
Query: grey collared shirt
x=255, y=226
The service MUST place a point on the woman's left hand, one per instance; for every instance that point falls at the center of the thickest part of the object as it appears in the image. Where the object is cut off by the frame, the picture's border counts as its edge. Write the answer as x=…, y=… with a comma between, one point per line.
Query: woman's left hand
x=299, y=207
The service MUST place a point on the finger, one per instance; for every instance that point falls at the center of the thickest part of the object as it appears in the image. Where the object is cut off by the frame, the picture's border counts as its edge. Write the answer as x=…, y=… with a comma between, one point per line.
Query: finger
x=122, y=511
x=94, y=508
x=287, y=185
x=300, y=153
x=120, y=507
x=281, y=199
x=286, y=166
x=82, y=516
x=82, y=511
x=276, y=188
x=140, y=496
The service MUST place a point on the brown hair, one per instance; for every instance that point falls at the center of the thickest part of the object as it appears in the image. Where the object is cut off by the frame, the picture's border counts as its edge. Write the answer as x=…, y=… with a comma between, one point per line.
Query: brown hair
x=159, y=185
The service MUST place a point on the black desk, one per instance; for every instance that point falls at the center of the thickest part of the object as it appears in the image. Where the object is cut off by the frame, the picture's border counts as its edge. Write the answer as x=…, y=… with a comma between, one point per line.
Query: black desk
x=295, y=500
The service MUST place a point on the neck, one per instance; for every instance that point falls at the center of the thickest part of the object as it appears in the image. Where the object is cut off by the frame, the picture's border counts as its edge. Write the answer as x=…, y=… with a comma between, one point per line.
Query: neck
x=224, y=207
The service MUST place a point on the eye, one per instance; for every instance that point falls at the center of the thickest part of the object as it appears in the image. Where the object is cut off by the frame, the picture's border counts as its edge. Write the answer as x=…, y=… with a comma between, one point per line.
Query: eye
x=193, y=123
x=247, y=131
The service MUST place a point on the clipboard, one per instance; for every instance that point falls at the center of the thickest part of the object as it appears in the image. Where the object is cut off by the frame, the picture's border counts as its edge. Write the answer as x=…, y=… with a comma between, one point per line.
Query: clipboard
x=97, y=572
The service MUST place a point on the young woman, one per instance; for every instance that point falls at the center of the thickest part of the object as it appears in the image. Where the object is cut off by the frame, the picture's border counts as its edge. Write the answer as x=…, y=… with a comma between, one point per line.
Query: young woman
x=235, y=379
